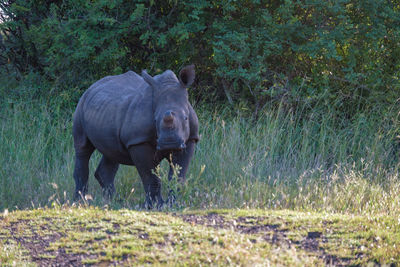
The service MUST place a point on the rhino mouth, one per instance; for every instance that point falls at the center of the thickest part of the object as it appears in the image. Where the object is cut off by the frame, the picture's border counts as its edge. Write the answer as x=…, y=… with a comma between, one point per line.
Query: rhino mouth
x=163, y=145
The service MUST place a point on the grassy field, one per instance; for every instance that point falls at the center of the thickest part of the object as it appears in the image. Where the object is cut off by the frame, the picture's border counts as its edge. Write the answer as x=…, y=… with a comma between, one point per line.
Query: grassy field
x=310, y=161
x=76, y=236
x=297, y=188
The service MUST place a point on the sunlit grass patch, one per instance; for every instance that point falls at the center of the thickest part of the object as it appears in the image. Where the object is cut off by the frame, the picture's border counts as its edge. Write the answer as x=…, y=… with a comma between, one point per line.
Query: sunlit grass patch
x=89, y=235
x=93, y=236
x=349, y=239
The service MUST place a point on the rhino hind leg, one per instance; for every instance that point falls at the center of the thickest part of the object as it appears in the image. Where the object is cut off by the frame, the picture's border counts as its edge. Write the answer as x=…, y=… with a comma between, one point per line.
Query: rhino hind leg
x=83, y=150
x=81, y=173
x=105, y=174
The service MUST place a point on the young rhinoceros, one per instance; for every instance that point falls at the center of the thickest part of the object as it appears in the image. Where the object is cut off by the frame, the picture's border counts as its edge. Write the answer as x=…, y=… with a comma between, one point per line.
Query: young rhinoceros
x=135, y=120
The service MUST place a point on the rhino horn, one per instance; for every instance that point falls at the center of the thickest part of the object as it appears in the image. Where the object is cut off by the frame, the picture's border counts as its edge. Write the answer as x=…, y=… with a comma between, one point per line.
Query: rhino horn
x=168, y=117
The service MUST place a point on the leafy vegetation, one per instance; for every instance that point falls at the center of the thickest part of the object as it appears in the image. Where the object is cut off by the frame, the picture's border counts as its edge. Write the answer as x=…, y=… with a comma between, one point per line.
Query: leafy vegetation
x=341, y=53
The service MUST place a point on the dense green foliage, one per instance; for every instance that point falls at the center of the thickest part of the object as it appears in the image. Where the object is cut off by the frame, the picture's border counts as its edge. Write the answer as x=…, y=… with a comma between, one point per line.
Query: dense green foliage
x=343, y=53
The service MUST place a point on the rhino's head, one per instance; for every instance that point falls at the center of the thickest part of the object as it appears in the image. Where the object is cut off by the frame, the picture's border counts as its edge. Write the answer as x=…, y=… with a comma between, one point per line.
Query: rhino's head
x=171, y=107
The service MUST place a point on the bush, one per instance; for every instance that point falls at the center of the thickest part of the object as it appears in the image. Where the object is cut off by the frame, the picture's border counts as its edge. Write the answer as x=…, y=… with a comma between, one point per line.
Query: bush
x=343, y=53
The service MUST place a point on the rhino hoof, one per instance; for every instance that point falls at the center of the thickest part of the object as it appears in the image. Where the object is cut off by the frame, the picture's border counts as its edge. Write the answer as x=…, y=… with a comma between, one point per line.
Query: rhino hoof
x=108, y=192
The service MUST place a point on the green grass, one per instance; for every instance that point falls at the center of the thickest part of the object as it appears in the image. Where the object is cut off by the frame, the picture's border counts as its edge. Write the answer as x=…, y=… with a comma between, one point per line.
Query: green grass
x=311, y=161
x=297, y=188
x=220, y=238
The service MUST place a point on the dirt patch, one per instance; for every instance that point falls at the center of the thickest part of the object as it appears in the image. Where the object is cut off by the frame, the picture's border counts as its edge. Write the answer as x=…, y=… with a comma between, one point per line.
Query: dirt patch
x=37, y=246
x=271, y=233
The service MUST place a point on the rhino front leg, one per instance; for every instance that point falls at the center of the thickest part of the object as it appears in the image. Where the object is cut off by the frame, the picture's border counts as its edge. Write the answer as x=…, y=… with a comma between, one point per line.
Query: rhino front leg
x=105, y=174
x=143, y=156
x=181, y=158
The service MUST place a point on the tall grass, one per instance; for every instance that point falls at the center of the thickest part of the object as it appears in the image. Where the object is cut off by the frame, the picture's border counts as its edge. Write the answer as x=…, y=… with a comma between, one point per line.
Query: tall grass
x=314, y=160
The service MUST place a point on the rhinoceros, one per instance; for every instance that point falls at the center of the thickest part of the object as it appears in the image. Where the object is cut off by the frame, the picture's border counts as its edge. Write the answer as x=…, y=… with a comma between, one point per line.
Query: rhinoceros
x=135, y=120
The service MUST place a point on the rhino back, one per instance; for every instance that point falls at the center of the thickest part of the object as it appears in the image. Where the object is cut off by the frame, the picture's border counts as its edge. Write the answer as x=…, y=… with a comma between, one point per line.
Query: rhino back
x=116, y=112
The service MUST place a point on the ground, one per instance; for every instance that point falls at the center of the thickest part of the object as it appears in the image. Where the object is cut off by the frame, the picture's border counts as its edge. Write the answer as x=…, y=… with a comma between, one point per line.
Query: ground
x=77, y=236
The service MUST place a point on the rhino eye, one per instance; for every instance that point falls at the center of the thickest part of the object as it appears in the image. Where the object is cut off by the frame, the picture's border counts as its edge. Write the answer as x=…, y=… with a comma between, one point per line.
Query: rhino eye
x=186, y=118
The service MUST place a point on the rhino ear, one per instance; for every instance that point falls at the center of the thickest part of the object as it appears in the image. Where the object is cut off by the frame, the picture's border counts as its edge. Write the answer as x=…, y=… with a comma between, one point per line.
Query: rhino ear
x=150, y=80
x=187, y=75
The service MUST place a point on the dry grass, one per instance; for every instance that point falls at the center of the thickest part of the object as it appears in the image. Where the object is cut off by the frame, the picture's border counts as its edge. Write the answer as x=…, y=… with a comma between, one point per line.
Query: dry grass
x=313, y=161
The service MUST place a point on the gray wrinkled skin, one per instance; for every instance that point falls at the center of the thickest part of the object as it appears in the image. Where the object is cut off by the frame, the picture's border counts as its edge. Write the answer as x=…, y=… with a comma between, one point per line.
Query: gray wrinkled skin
x=135, y=120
